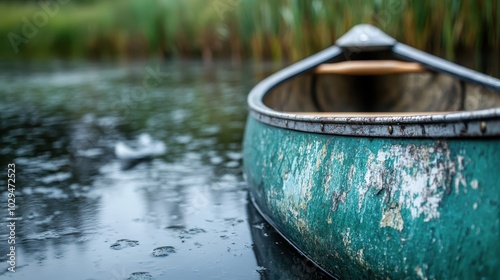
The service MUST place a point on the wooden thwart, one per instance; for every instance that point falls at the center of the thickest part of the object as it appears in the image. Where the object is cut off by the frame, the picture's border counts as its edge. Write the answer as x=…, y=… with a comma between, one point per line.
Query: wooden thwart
x=369, y=67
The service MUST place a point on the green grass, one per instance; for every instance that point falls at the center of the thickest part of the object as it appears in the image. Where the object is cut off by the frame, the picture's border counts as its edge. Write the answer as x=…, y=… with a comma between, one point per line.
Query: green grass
x=279, y=29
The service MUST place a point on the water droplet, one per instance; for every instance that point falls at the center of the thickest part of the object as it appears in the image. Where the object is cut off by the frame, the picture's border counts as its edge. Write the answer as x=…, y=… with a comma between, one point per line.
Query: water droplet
x=259, y=226
x=175, y=227
x=140, y=276
x=194, y=231
x=187, y=234
x=124, y=243
x=261, y=270
x=163, y=251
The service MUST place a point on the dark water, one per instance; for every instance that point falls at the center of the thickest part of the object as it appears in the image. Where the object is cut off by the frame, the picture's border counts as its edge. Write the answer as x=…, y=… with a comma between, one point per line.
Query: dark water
x=183, y=215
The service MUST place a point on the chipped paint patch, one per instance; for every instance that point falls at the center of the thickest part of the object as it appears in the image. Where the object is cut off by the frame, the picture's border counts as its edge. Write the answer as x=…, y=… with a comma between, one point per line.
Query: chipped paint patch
x=340, y=158
x=420, y=273
x=299, y=182
x=414, y=177
x=346, y=237
x=321, y=157
x=363, y=188
x=352, y=172
x=392, y=218
x=459, y=178
x=474, y=184
x=360, y=256
x=337, y=198
x=326, y=184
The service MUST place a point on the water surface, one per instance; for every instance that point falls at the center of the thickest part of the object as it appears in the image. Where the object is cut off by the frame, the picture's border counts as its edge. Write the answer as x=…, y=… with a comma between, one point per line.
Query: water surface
x=84, y=214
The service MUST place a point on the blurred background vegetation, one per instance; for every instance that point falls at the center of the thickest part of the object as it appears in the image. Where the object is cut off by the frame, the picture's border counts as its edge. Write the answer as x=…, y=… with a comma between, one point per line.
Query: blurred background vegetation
x=238, y=29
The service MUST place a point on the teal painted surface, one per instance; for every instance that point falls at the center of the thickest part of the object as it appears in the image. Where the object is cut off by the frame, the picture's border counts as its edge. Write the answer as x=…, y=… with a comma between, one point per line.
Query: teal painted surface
x=381, y=207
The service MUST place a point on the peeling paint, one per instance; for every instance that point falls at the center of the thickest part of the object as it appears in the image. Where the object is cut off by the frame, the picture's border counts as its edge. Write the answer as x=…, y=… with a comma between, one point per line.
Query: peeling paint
x=299, y=182
x=352, y=172
x=337, y=198
x=280, y=154
x=340, y=158
x=321, y=157
x=363, y=188
x=346, y=237
x=413, y=176
x=474, y=184
x=326, y=184
x=392, y=218
x=359, y=256
x=420, y=273
x=459, y=177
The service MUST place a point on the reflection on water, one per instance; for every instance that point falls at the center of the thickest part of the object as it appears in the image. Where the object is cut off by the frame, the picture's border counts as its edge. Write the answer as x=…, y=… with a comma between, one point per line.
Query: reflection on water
x=277, y=258
x=182, y=215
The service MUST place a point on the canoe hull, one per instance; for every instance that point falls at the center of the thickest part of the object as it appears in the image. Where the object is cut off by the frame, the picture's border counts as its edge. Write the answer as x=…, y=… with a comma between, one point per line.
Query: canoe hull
x=380, y=207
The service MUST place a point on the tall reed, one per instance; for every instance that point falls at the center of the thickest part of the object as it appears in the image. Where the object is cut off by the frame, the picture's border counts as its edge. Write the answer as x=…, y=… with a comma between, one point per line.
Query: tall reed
x=276, y=29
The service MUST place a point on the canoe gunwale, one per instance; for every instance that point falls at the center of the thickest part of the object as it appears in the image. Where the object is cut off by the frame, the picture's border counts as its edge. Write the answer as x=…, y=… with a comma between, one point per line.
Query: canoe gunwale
x=485, y=123
x=477, y=123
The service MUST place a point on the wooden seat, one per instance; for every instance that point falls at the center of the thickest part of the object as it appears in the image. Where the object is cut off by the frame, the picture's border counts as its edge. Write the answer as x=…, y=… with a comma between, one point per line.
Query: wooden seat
x=369, y=67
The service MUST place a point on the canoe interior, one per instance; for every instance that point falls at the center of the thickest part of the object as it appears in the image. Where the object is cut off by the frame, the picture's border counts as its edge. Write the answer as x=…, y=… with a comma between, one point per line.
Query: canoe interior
x=409, y=92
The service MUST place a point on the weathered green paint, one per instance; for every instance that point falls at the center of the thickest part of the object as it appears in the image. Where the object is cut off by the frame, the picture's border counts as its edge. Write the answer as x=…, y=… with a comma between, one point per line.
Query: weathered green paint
x=381, y=207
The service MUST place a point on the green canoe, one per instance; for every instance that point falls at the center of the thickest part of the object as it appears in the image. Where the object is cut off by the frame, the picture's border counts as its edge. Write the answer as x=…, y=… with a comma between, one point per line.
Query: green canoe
x=379, y=161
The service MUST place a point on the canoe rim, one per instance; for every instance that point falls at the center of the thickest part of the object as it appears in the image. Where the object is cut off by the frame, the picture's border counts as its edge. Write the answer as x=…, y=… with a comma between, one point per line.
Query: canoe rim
x=366, y=38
